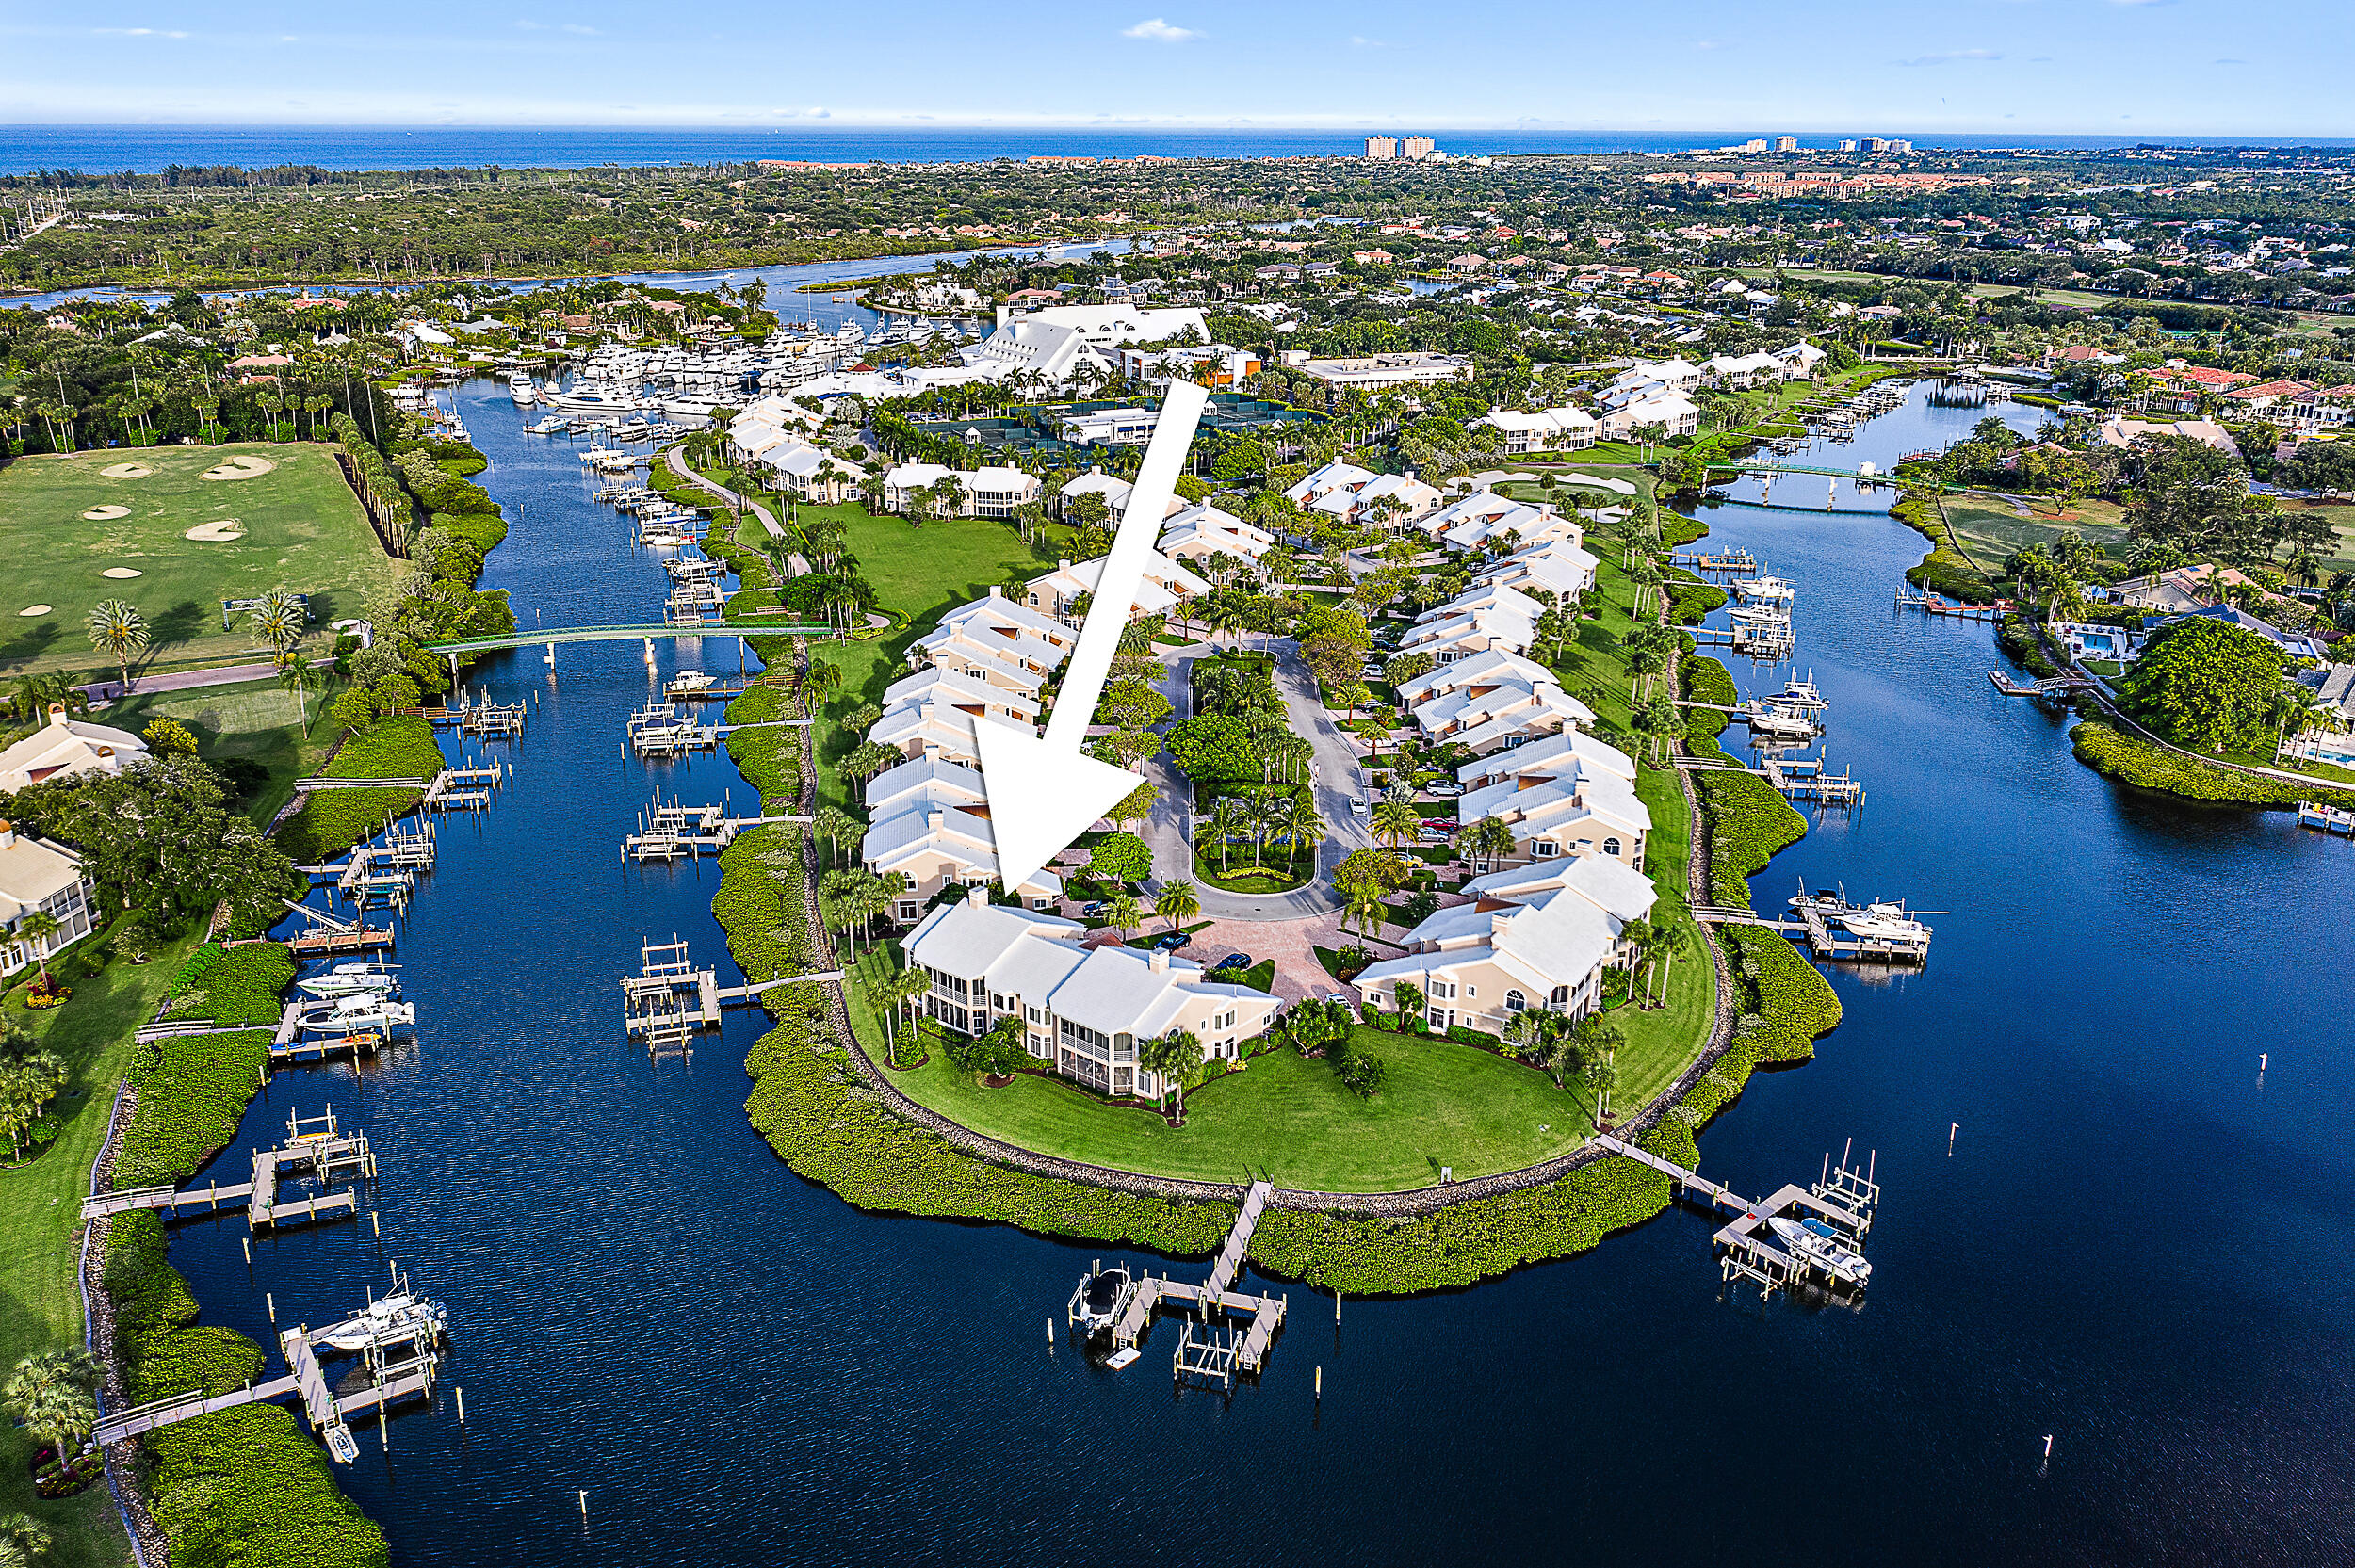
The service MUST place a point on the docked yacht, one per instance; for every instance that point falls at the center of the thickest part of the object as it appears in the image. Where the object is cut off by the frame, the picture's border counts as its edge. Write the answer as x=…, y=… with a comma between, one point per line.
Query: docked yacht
x=1765, y=591
x=597, y=400
x=554, y=425
x=351, y=979
x=690, y=408
x=1800, y=694
x=521, y=390
x=690, y=683
x=1813, y=1241
x=1096, y=1305
x=399, y=1316
x=362, y=1011
x=1887, y=925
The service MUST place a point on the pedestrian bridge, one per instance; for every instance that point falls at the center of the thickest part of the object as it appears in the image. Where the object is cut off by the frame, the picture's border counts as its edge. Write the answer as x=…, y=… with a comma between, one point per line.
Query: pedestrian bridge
x=550, y=636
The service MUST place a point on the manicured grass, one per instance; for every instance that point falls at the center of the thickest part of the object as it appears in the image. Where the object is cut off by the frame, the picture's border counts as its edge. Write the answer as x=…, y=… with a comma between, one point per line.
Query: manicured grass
x=254, y=722
x=1286, y=1117
x=40, y=1221
x=304, y=531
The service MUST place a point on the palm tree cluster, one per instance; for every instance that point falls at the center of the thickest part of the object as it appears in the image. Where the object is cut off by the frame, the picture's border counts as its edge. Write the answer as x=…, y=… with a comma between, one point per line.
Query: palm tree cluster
x=53, y=1395
x=853, y=900
x=29, y=1080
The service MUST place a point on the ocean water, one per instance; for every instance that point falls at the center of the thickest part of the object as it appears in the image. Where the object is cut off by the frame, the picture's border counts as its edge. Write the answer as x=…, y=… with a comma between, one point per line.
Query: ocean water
x=145, y=149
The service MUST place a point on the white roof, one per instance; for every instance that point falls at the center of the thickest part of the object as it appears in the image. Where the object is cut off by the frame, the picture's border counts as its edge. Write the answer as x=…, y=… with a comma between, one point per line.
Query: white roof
x=1557, y=753
x=65, y=746
x=32, y=870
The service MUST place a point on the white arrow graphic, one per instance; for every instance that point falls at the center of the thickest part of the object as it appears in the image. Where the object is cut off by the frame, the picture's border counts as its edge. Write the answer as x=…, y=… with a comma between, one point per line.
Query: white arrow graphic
x=1043, y=793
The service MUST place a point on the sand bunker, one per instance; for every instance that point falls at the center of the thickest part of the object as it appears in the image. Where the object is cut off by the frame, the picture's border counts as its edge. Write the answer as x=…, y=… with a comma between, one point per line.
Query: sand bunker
x=104, y=514
x=121, y=571
x=216, y=533
x=242, y=466
x=127, y=470
x=34, y=609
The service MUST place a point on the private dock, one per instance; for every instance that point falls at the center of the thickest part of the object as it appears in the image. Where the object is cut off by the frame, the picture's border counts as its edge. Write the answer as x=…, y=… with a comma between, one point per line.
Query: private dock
x=1746, y=1246
x=465, y=788
x=1932, y=604
x=491, y=720
x=667, y=832
x=669, y=1000
x=2051, y=686
x=328, y=936
x=1208, y=1352
x=1760, y=636
x=315, y=1149
x=400, y=1353
x=1805, y=779
x=664, y=729
x=1738, y=563
x=2329, y=819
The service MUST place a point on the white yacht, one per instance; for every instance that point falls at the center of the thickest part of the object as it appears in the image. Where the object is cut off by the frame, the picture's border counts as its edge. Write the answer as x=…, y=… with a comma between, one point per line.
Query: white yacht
x=351, y=979
x=555, y=424
x=1770, y=590
x=690, y=408
x=396, y=1316
x=362, y=1011
x=1813, y=1241
x=597, y=400
x=521, y=390
x=690, y=683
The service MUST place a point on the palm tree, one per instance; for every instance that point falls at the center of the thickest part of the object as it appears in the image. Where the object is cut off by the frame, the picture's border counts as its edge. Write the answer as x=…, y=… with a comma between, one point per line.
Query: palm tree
x=834, y=824
x=21, y=1541
x=1123, y=913
x=62, y=1416
x=118, y=631
x=280, y=620
x=1173, y=1058
x=1302, y=823
x=1229, y=815
x=894, y=993
x=1396, y=822
x=37, y=929
x=1178, y=903
x=1488, y=841
x=823, y=680
x=1364, y=902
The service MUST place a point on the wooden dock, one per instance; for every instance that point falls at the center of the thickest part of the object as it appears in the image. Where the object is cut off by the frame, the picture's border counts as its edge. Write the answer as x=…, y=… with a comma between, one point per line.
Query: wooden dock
x=315, y=1148
x=1806, y=778
x=2328, y=819
x=1227, y=1333
x=2051, y=686
x=1746, y=1246
x=465, y=788
x=1930, y=603
x=1738, y=563
x=669, y=1000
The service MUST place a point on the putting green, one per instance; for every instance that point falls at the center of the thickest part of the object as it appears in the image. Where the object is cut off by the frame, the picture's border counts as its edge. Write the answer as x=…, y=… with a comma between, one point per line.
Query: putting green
x=297, y=526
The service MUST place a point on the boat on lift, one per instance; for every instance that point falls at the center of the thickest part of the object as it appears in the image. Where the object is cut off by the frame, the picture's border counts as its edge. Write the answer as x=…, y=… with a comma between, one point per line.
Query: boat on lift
x=1884, y=922
x=351, y=979
x=1816, y=1242
x=392, y=1319
x=1769, y=591
x=1800, y=694
x=554, y=425
x=690, y=683
x=362, y=1012
x=1095, y=1305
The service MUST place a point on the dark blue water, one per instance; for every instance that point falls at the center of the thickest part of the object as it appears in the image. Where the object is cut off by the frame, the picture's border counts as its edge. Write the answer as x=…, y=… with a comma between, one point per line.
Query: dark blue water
x=146, y=149
x=2136, y=1244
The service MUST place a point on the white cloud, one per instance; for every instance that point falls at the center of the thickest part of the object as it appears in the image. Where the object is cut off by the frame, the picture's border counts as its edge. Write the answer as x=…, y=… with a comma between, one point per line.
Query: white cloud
x=136, y=32
x=577, y=27
x=1359, y=40
x=1154, y=30
x=1951, y=56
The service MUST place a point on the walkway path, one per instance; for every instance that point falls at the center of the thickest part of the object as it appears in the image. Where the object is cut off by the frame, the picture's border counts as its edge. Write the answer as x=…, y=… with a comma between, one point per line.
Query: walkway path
x=1338, y=783
x=678, y=466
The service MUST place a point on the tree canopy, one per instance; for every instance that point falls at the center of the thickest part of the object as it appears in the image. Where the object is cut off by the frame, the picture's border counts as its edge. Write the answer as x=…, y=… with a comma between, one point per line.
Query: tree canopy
x=2206, y=684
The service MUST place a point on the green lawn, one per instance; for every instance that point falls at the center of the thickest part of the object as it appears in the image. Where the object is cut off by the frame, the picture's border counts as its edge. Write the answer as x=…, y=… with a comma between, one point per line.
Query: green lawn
x=254, y=721
x=303, y=530
x=41, y=1218
x=1285, y=1117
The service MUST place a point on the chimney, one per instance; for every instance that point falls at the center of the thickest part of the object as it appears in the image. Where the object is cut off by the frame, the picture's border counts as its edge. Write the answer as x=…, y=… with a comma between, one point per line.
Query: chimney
x=1004, y=312
x=7, y=834
x=57, y=715
x=1158, y=961
x=997, y=590
x=931, y=750
x=932, y=819
x=1060, y=566
x=977, y=896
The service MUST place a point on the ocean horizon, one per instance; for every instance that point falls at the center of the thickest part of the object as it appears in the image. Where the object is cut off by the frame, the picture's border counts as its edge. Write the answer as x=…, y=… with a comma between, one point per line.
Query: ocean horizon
x=149, y=149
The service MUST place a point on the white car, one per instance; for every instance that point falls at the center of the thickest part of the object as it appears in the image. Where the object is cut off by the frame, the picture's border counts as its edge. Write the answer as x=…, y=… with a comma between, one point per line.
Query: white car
x=1358, y=808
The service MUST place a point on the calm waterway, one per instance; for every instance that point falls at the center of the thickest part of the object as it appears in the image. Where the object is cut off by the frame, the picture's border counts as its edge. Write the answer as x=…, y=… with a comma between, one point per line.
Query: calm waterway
x=2131, y=1245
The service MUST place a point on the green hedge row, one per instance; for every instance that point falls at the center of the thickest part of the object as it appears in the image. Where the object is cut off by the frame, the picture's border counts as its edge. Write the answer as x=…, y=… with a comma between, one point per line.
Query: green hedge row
x=1749, y=823
x=824, y=1121
x=1706, y=680
x=2131, y=759
x=401, y=747
x=333, y=820
x=771, y=760
x=1464, y=1242
x=245, y=984
x=759, y=903
x=1690, y=600
x=243, y=1488
x=193, y=1091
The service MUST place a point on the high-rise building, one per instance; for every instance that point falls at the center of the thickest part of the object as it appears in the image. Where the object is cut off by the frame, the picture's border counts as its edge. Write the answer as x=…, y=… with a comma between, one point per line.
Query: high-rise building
x=1897, y=144
x=1876, y=144
x=1379, y=148
x=1418, y=147
x=1786, y=144
x=1848, y=146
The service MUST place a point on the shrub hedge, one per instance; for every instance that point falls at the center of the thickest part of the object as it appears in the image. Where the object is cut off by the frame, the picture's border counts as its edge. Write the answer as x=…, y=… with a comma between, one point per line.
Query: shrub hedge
x=243, y=1488
x=193, y=1091
x=1690, y=599
x=1749, y=823
x=771, y=760
x=244, y=984
x=333, y=820
x=399, y=747
x=2131, y=759
x=1706, y=680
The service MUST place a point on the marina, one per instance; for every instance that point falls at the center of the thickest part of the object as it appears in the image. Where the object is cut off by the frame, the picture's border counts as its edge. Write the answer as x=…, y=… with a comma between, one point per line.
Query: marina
x=1795, y=1237
x=315, y=1149
x=1226, y=1333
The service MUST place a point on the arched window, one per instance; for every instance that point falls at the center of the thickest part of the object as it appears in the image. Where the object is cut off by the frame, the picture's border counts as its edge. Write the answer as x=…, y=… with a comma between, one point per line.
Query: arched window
x=1611, y=846
x=1515, y=1001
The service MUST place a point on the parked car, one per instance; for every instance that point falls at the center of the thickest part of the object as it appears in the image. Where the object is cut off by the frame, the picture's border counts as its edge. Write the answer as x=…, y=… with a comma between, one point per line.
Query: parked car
x=1169, y=942
x=1444, y=791
x=1232, y=960
x=1358, y=808
x=1094, y=911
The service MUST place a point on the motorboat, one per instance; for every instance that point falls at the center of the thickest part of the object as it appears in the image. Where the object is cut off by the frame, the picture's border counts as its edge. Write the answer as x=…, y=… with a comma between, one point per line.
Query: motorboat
x=1800, y=694
x=351, y=979
x=1813, y=1241
x=362, y=1011
x=1769, y=591
x=1095, y=1305
x=389, y=1319
x=690, y=408
x=521, y=390
x=690, y=683
x=1887, y=925
x=554, y=425
x=597, y=400
x=1776, y=723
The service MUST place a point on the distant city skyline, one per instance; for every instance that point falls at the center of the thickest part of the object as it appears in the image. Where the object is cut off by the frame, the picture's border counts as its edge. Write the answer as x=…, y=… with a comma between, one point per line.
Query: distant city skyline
x=2113, y=68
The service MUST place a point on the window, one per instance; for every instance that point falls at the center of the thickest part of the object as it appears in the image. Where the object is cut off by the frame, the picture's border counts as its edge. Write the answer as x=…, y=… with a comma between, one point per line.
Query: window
x=1610, y=848
x=1515, y=1001
x=1545, y=847
x=1561, y=995
x=1442, y=989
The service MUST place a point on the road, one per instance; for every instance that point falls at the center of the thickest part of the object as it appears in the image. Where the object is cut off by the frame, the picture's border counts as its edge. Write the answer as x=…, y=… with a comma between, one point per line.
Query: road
x=678, y=466
x=1338, y=782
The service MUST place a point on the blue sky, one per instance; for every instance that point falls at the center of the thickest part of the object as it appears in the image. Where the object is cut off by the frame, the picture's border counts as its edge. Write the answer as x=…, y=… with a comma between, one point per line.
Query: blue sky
x=2098, y=67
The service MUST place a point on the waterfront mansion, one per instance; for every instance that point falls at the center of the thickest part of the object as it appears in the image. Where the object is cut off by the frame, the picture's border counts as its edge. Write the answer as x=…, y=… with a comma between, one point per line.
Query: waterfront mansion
x=1084, y=1009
